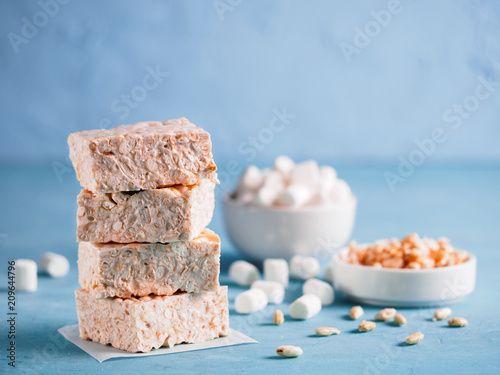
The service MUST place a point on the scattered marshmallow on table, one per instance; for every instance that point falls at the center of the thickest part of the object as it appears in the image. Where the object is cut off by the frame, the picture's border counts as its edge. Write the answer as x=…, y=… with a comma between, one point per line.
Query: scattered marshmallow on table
x=26, y=275
x=305, y=307
x=55, y=265
x=304, y=267
x=276, y=270
x=251, y=301
x=243, y=273
x=320, y=289
x=274, y=290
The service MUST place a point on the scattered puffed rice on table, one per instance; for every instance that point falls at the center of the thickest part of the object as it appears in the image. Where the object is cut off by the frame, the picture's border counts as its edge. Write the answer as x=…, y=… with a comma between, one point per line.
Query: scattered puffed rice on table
x=356, y=312
x=327, y=331
x=385, y=314
x=399, y=319
x=278, y=318
x=442, y=314
x=289, y=351
x=414, y=338
x=458, y=322
x=366, y=326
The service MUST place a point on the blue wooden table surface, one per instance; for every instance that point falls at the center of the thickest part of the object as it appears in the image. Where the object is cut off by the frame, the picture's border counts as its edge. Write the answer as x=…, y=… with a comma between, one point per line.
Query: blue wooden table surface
x=38, y=209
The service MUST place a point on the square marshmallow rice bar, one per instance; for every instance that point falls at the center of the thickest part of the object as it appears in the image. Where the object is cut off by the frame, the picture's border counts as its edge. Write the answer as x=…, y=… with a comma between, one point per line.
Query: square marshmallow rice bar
x=159, y=215
x=141, y=324
x=145, y=155
x=139, y=269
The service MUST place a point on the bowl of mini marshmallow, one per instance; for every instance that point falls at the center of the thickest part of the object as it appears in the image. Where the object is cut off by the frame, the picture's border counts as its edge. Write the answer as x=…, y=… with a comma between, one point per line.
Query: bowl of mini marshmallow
x=290, y=209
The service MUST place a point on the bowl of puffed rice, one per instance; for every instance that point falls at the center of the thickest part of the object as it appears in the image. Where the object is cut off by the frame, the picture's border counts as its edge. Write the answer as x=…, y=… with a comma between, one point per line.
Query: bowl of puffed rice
x=412, y=272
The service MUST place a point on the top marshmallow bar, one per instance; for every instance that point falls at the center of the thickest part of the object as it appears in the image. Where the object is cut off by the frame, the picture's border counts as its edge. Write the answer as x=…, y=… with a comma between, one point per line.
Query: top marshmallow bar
x=145, y=155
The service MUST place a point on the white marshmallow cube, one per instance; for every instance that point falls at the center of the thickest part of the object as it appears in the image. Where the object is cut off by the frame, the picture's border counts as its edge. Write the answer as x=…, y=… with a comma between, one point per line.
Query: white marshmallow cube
x=243, y=273
x=266, y=196
x=306, y=173
x=328, y=179
x=327, y=175
x=295, y=195
x=26, y=275
x=328, y=273
x=304, y=267
x=284, y=165
x=273, y=179
x=55, y=265
x=251, y=301
x=252, y=178
x=274, y=290
x=321, y=289
x=305, y=307
x=244, y=196
x=340, y=191
x=276, y=270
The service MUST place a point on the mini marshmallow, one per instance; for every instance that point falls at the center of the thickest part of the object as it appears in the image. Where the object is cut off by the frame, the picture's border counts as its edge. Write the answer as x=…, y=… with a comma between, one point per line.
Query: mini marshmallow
x=276, y=270
x=320, y=289
x=251, y=301
x=273, y=179
x=284, y=165
x=328, y=273
x=54, y=265
x=303, y=267
x=266, y=196
x=26, y=275
x=295, y=195
x=252, y=178
x=243, y=273
x=340, y=191
x=327, y=175
x=306, y=173
x=305, y=307
x=244, y=196
x=274, y=290
x=328, y=179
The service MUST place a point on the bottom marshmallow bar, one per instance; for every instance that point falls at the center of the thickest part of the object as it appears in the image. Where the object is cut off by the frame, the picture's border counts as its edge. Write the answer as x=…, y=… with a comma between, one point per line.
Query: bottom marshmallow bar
x=141, y=324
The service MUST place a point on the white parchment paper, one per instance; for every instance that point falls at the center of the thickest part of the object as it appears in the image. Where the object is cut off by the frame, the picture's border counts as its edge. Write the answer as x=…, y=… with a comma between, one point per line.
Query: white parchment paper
x=104, y=352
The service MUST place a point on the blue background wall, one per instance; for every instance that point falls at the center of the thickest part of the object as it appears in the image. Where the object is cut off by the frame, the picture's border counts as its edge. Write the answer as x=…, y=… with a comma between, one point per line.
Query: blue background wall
x=232, y=63
x=230, y=68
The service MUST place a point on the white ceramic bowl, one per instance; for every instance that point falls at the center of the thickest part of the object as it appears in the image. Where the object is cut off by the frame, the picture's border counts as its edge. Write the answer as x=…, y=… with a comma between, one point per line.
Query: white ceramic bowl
x=261, y=233
x=404, y=287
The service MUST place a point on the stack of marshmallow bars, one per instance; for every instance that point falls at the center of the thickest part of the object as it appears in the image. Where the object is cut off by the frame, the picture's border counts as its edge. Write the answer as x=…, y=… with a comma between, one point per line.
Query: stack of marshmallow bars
x=148, y=267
